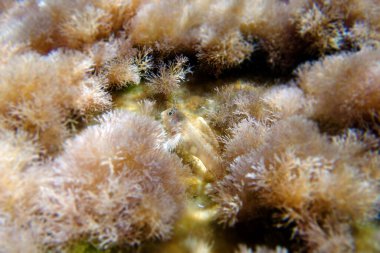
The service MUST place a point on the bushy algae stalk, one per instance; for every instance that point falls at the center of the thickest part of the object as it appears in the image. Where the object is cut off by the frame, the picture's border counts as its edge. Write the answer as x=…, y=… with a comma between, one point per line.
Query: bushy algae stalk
x=168, y=126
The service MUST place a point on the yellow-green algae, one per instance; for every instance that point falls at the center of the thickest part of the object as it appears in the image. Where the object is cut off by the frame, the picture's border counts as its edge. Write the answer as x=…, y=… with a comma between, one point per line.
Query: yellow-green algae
x=197, y=230
x=367, y=238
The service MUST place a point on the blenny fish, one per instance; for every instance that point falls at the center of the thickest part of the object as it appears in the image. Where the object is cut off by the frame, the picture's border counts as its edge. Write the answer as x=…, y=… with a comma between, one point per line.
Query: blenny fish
x=194, y=141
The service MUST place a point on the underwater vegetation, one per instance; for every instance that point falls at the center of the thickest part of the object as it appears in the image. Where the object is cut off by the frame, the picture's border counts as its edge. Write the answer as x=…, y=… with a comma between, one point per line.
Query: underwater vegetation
x=189, y=126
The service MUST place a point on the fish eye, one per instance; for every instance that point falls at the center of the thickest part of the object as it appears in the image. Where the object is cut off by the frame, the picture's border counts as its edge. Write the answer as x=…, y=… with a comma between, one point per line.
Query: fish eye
x=172, y=111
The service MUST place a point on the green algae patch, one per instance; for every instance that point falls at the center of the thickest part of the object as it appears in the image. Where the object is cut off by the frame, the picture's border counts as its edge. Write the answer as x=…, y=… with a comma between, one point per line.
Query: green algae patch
x=367, y=237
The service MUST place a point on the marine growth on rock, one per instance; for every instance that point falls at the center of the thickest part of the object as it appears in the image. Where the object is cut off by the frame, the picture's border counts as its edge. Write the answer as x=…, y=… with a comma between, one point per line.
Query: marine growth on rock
x=189, y=126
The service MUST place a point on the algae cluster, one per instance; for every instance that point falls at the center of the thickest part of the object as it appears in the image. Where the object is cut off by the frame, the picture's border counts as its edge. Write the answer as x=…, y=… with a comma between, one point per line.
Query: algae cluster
x=189, y=126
